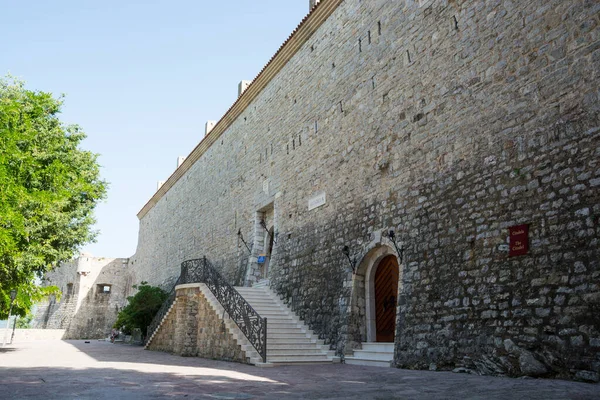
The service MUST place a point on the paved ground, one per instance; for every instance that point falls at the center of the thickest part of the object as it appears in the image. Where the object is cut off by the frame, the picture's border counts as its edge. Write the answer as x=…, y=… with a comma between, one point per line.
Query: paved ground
x=100, y=370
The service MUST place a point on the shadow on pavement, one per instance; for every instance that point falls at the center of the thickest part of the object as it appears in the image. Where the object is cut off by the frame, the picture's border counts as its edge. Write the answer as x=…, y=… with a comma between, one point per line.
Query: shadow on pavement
x=7, y=349
x=108, y=352
x=101, y=370
x=109, y=383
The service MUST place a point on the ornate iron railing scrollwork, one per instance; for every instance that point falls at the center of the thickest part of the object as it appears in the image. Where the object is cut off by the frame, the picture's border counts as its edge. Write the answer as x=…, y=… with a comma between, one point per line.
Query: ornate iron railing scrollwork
x=252, y=325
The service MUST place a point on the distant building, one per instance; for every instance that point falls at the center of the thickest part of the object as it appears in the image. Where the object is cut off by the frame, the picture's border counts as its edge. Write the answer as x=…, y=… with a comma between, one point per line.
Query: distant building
x=93, y=289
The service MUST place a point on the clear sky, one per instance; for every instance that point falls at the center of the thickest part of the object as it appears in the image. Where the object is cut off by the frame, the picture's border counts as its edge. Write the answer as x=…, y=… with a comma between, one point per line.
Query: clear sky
x=141, y=78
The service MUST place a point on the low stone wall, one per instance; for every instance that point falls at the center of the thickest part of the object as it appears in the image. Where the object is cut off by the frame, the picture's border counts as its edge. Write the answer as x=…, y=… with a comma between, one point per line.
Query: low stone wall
x=30, y=335
x=194, y=329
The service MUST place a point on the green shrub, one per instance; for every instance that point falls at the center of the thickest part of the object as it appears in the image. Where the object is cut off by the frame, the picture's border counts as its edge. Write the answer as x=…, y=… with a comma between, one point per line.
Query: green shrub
x=141, y=309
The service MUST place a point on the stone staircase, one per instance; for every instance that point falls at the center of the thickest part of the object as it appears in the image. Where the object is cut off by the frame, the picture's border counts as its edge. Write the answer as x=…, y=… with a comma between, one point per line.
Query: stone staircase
x=373, y=354
x=289, y=341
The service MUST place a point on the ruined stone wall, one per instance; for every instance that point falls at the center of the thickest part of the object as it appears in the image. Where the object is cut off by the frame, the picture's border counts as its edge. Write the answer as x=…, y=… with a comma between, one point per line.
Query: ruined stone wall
x=193, y=329
x=53, y=314
x=86, y=311
x=447, y=121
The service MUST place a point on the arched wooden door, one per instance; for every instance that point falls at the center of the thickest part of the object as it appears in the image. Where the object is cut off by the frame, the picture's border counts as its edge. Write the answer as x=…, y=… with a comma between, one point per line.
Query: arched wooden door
x=386, y=289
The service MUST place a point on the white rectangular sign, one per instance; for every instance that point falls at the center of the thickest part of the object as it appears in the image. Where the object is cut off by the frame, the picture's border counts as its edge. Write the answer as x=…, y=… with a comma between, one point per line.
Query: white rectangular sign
x=316, y=201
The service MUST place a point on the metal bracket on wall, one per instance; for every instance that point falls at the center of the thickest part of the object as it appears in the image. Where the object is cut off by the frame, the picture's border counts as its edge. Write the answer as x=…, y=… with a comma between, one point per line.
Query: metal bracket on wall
x=264, y=225
x=399, y=250
x=241, y=237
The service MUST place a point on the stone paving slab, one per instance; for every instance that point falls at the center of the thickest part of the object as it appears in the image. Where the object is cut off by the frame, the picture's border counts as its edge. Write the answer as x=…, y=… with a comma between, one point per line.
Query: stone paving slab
x=101, y=370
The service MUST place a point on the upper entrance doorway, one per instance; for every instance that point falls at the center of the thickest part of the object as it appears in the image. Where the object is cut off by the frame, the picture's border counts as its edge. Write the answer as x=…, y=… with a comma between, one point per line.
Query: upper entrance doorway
x=386, y=289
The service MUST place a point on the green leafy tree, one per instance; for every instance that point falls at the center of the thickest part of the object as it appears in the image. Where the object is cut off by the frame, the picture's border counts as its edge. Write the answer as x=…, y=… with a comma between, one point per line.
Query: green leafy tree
x=141, y=309
x=25, y=322
x=48, y=190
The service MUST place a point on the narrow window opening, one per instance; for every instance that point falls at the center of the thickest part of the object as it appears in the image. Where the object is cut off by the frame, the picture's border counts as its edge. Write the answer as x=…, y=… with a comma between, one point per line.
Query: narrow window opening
x=332, y=65
x=103, y=288
x=69, y=289
x=455, y=22
x=316, y=126
x=299, y=140
x=408, y=55
x=369, y=35
x=379, y=27
x=359, y=45
x=312, y=48
x=341, y=107
x=373, y=81
x=271, y=148
x=293, y=144
x=287, y=149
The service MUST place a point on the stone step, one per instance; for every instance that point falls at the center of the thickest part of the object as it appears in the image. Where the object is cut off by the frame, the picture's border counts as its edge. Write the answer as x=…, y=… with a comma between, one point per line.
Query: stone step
x=275, y=313
x=370, y=363
x=286, y=335
x=291, y=341
x=373, y=355
x=282, y=325
x=281, y=318
x=293, y=329
x=293, y=352
x=256, y=298
x=378, y=346
x=298, y=358
x=292, y=346
x=268, y=308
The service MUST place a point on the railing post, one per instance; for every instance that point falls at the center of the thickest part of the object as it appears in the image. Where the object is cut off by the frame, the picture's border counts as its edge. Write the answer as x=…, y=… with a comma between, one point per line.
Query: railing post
x=183, y=275
x=264, y=355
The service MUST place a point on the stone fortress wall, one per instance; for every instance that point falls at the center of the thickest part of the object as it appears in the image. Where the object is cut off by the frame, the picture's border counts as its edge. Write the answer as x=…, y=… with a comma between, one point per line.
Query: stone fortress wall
x=446, y=121
x=86, y=310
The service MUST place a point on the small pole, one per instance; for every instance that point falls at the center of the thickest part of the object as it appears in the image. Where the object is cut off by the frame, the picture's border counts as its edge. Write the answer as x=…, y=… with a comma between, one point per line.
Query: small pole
x=12, y=337
x=13, y=295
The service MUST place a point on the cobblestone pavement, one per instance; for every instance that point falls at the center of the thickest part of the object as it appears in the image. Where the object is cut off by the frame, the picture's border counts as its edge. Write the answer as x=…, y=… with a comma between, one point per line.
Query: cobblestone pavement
x=101, y=370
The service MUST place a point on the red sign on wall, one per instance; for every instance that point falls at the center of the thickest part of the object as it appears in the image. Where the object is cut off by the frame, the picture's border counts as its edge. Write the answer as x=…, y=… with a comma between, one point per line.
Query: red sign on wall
x=519, y=240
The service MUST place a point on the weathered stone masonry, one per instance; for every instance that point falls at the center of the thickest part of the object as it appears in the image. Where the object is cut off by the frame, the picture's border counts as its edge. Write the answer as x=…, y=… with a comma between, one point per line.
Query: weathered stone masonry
x=192, y=328
x=447, y=121
x=85, y=310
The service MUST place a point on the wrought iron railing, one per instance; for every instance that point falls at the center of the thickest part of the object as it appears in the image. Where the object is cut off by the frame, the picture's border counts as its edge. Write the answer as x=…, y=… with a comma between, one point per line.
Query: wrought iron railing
x=252, y=325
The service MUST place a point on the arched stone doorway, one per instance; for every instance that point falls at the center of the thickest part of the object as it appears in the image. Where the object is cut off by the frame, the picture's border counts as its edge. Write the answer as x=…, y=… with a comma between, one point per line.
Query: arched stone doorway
x=365, y=302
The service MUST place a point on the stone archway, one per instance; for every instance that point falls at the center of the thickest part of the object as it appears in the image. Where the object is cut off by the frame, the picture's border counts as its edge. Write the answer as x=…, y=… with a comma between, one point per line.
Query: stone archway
x=362, y=322
x=370, y=264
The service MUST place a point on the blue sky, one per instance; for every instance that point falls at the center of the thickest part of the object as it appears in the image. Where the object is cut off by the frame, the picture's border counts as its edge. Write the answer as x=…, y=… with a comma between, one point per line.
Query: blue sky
x=141, y=78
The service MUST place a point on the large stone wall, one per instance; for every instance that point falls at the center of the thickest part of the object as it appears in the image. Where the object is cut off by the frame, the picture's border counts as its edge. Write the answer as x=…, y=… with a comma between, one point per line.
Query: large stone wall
x=447, y=121
x=193, y=329
x=84, y=310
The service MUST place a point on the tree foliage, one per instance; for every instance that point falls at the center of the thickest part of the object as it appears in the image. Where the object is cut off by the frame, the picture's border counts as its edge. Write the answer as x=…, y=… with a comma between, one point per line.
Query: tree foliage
x=48, y=190
x=25, y=322
x=141, y=309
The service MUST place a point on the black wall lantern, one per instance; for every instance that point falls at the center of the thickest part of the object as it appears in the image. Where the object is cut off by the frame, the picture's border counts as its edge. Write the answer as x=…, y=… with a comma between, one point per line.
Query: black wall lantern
x=400, y=250
x=351, y=261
